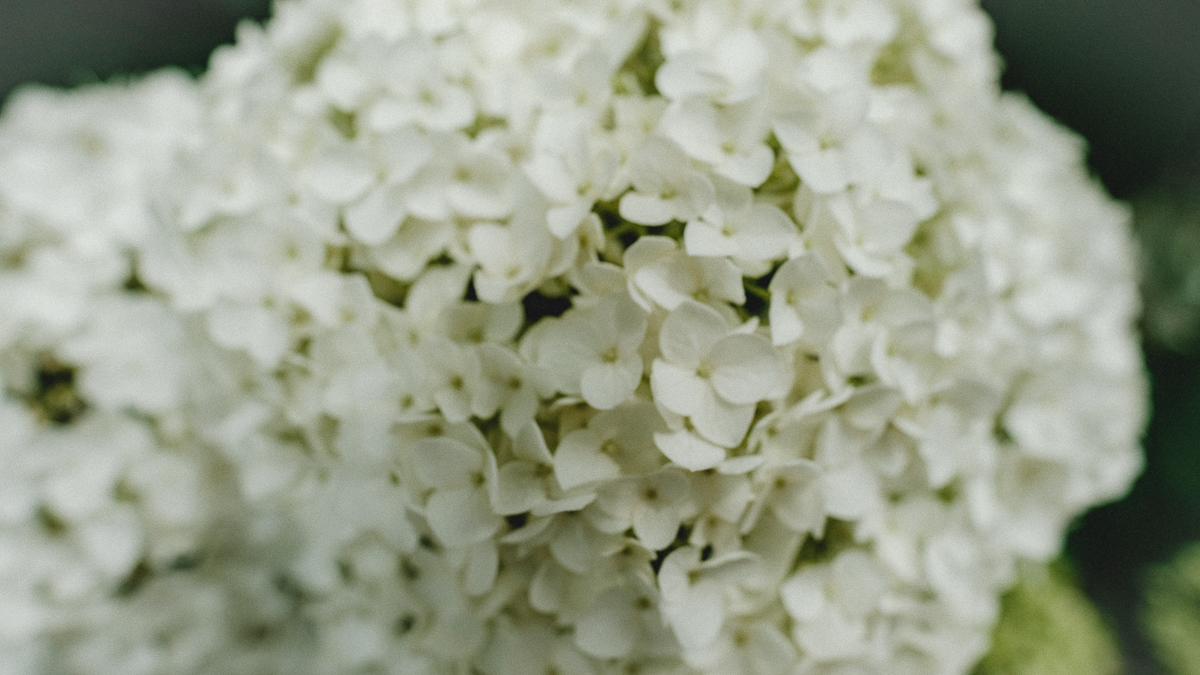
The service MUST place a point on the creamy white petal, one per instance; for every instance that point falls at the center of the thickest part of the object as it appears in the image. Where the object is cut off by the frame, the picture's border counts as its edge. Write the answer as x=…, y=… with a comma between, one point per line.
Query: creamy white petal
x=519, y=488
x=677, y=389
x=696, y=617
x=607, y=385
x=609, y=626
x=746, y=368
x=446, y=463
x=461, y=517
x=720, y=422
x=689, y=332
x=578, y=460
x=689, y=451
x=655, y=526
x=376, y=217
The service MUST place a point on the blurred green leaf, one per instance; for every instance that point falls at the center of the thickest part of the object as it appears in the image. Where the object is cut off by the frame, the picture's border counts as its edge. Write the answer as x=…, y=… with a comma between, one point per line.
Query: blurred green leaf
x=1049, y=627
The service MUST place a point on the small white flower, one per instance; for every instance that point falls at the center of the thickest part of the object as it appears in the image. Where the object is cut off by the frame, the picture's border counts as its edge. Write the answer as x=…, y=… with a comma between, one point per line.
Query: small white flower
x=804, y=305
x=455, y=379
x=795, y=494
x=594, y=353
x=749, y=233
x=130, y=354
x=662, y=275
x=665, y=186
x=257, y=330
x=511, y=259
x=652, y=505
x=511, y=386
x=459, y=508
x=694, y=593
x=731, y=72
x=616, y=442
x=571, y=172
x=711, y=374
x=729, y=139
x=415, y=90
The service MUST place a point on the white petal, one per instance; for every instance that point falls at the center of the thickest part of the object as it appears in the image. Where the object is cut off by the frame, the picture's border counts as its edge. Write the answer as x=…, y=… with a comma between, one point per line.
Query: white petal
x=851, y=491
x=689, y=332
x=414, y=244
x=697, y=617
x=800, y=503
x=746, y=368
x=656, y=527
x=564, y=220
x=689, y=451
x=403, y=153
x=749, y=168
x=768, y=650
x=480, y=571
x=518, y=488
x=518, y=411
x=606, y=385
x=823, y=171
x=340, y=174
x=549, y=588
x=259, y=331
x=677, y=389
x=375, y=218
x=656, y=281
x=785, y=323
x=743, y=58
x=722, y=423
x=530, y=444
x=578, y=460
x=719, y=276
x=112, y=541
x=461, y=517
x=445, y=462
x=767, y=233
x=832, y=636
x=629, y=321
x=609, y=626
x=564, y=505
x=702, y=239
x=552, y=178
x=803, y=594
x=646, y=209
x=693, y=125
x=886, y=226
x=687, y=74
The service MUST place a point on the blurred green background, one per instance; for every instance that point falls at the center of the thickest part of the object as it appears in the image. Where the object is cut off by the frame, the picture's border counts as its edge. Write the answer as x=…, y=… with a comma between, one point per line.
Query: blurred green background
x=1124, y=73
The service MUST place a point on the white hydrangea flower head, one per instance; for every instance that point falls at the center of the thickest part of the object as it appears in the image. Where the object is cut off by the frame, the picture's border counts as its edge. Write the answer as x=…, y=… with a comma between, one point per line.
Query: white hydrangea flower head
x=552, y=336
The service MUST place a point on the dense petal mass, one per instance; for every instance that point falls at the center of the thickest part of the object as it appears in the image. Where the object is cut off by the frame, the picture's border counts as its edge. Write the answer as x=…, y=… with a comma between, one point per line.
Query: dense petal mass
x=514, y=337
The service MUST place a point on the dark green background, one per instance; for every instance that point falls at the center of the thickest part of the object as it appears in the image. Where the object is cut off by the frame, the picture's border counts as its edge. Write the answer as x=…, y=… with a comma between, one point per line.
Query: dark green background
x=1124, y=73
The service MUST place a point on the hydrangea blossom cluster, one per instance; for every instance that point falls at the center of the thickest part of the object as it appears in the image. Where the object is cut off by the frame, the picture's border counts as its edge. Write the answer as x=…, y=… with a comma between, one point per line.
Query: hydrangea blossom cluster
x=526, y=337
